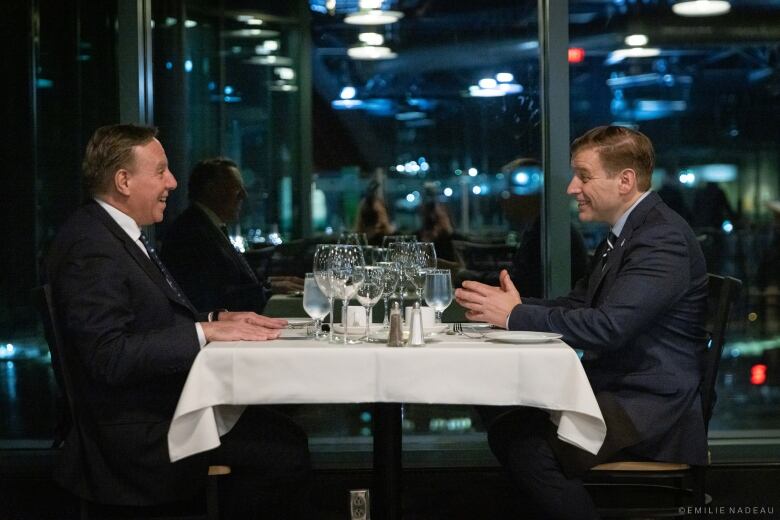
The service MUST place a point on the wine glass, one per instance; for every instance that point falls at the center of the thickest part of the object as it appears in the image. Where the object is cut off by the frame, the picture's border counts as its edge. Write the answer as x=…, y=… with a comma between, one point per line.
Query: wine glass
x=423, y=256
x=323, y=277
x=346, y=277
x=353, y=239
x=315, y=303
x=438, y=290
x=391, y=239
x=390, y=276
x=370, y=291
x=400, y=253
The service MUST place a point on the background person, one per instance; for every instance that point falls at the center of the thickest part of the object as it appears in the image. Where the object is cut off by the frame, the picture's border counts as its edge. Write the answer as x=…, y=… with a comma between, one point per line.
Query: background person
x=198, y=252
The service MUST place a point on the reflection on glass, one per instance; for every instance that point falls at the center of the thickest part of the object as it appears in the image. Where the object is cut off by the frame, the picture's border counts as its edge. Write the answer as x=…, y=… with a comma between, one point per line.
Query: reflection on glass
x=315, y=303
x=438, y=290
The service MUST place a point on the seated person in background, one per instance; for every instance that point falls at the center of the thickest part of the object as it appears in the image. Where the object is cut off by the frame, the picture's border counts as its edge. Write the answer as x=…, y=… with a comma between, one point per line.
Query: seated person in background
x=372, y=218
x=199, y=254
x=129, y=339
x=436, y=226
x=639, y=316
x=526, y=272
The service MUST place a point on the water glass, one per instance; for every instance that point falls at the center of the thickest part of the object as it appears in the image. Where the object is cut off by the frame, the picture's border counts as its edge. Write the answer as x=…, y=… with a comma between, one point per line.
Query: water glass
x=438, y=290
x=345, y=265
x=315, y=303
x=324, y=278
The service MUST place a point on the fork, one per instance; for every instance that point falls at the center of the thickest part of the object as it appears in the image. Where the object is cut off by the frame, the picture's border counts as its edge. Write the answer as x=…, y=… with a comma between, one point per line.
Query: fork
x=457, y=328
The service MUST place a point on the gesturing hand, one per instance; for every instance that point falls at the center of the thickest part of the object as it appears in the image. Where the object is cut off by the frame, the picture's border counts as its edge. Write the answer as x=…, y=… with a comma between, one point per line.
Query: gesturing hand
x=488, y=303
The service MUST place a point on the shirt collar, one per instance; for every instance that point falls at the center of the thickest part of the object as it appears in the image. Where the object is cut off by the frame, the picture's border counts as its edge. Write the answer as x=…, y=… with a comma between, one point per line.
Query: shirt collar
x=124, y=220
x=618, y=227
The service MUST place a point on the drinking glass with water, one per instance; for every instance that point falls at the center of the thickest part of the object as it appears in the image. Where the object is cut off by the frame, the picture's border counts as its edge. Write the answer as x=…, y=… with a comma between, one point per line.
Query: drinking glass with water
x=438, y=290
x=315, y=303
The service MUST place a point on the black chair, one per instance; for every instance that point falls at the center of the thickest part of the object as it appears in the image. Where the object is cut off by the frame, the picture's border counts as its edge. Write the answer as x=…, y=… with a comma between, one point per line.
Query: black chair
x=69, y=418
x=659, y=481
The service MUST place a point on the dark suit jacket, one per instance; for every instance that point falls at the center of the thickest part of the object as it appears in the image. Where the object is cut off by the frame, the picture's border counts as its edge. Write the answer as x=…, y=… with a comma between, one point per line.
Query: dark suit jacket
x=208, y=268
x=641, y=321
x=129, y=343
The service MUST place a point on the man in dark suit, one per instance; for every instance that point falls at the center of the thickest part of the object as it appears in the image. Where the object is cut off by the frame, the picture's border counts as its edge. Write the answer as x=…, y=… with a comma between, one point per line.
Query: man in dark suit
x=132, y=336
x=638, y=316
x=198, y=251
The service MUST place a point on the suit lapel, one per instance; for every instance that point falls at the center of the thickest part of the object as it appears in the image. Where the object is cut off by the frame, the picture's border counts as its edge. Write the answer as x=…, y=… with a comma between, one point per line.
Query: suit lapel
x=225, y=245
x=615, y=257
x=144, y=262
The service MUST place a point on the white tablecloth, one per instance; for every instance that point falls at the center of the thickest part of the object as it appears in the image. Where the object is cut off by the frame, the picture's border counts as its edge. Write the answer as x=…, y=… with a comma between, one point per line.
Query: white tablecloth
x=227, y=376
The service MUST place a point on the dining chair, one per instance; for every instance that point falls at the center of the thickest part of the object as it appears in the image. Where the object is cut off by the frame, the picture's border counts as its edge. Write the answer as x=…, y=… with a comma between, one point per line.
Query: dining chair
x=656, y=481
x=69, y=418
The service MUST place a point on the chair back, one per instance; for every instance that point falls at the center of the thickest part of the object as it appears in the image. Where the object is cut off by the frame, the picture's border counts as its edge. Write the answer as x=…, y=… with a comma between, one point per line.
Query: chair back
x=723, y=292
x=42, y=298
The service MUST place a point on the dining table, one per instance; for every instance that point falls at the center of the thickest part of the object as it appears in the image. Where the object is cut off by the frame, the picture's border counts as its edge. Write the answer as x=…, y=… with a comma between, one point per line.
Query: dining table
x=451, y=368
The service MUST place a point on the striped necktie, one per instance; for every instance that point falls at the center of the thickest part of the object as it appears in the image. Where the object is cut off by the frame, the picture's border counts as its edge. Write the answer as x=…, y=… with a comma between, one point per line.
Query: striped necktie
x=611, y=242
x=166, y=274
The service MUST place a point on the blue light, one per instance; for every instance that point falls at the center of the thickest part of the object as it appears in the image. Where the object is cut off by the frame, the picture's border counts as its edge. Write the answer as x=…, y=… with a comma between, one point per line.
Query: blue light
x=212, y=85
x=522, y=178
x=365, y=417
x=727, y=226
x=448, y=192
x=348, y=93
x=228, y=89
x=169, y=65
x=188, y=65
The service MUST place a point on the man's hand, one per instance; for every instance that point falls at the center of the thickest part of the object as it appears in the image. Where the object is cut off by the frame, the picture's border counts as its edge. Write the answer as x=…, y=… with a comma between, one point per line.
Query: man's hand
x=236, y=330
x=488, y=303
x=285, y=284
x=253, y=319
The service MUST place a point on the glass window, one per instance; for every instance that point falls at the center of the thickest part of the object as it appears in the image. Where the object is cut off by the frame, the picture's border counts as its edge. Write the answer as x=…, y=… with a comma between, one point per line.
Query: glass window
x=73, y=52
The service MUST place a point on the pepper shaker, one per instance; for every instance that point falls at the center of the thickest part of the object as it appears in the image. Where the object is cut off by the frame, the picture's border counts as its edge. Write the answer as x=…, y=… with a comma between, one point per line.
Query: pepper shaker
x=395, y=337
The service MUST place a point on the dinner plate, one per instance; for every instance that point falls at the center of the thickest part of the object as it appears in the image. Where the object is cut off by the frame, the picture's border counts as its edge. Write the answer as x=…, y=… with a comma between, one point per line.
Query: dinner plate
x=521, y=336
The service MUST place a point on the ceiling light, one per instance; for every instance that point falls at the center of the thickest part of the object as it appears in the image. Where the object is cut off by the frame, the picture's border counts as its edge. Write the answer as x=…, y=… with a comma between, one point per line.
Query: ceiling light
x=370, y=52
x=348, y=92
x=701, y=7
x=371, y=38
x=505, y=77
x=269, y=60
x=634, y=52
x=373, y=17
x=636, y=40
x=251, y=33
x=510, y=88
x=487, y=83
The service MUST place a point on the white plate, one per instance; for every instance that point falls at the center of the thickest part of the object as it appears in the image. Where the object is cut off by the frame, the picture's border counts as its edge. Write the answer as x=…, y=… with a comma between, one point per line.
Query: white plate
x=476, y=326
x=518, y=336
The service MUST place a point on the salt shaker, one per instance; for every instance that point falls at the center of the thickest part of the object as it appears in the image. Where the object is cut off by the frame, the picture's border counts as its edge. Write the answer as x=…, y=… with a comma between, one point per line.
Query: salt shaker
x=395, y=337
x=416, y=333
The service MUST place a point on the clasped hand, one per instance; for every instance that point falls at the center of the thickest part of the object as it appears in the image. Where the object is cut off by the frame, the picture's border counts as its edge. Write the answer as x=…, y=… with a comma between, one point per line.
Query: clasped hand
x=488, y=303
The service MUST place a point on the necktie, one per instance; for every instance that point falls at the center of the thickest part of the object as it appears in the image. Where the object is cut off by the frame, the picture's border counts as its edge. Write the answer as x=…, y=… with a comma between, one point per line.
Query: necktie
x=166, y=274
x=611, y=242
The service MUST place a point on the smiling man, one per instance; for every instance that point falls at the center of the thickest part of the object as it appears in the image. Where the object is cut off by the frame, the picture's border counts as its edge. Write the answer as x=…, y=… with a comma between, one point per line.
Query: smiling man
x=639, y=317
x=130, y=337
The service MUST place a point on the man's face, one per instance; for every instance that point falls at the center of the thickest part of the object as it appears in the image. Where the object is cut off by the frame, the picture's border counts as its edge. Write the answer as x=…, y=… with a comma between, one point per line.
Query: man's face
x=149, y=181
x=597, y=194
x=231, y=193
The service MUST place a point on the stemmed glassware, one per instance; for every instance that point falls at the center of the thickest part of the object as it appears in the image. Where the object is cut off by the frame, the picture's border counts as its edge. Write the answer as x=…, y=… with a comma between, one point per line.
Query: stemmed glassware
x=400, y=253
x=390, y=277
x=370, y=291
x=423, y=258
x=324, y=278
x=346, y=264
x=438, y=290
x=353, y=239
x=390, y=239
x=315, y=303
